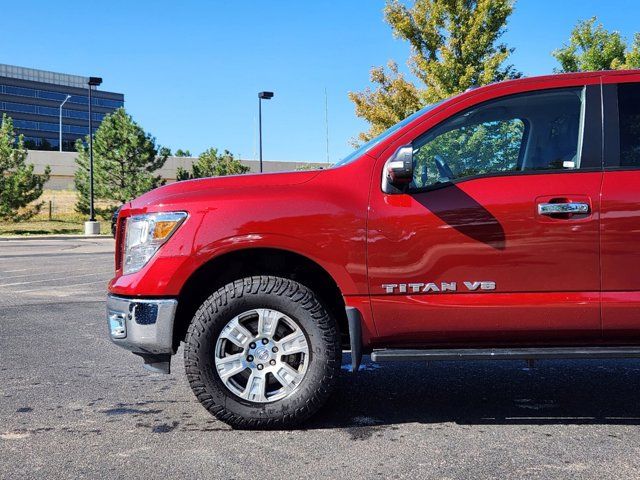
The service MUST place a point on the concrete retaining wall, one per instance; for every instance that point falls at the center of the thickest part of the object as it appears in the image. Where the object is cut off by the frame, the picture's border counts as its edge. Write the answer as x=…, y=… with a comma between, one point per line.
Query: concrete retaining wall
x=63, y=167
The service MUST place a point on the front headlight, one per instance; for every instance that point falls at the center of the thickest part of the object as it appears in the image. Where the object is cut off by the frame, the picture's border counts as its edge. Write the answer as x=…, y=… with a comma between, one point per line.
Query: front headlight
x=145, y=234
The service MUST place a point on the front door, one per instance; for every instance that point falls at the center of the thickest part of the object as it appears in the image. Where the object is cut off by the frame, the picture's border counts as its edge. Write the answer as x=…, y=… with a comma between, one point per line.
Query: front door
x=497, y=238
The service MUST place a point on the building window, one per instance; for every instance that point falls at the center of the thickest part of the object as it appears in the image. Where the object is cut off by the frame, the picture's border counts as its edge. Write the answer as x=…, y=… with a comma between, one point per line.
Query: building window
x=19, y=91
x=58, y=96
x=19, y=107
x=49, y=111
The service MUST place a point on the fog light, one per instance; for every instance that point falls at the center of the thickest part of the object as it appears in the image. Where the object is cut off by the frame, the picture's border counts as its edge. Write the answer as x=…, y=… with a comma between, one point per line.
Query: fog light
x=118, y=324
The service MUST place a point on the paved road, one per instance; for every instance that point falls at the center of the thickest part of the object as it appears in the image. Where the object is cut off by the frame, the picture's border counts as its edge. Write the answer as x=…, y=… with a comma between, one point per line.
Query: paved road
x=74, y=406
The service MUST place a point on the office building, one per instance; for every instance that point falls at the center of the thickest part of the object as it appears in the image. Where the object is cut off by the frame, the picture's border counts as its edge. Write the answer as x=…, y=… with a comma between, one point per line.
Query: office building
x=32, y=98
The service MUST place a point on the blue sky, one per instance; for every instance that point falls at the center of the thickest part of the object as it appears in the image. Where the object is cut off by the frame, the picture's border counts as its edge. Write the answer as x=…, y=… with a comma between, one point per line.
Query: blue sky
x=190, y=71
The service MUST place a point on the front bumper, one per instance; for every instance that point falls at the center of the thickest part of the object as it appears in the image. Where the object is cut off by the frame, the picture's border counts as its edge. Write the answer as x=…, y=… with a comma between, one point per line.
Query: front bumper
x=144, y=326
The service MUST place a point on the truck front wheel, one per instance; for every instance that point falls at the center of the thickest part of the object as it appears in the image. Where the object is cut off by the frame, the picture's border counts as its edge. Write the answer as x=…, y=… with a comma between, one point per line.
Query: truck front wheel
x=262, y=352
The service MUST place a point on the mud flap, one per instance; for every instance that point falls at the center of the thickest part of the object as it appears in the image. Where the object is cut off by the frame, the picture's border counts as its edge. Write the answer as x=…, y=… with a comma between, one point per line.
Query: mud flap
x=355, y=337
x=156, y=363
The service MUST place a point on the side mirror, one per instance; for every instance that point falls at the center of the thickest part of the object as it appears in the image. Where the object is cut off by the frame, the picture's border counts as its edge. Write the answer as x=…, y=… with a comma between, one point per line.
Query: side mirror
x=398, y=170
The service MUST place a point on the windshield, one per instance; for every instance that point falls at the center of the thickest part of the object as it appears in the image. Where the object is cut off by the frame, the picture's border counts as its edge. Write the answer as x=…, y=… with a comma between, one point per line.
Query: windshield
x=374, y=141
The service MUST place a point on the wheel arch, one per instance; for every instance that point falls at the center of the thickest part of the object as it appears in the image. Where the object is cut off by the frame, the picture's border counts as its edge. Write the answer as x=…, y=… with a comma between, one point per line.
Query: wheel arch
x=246, y=262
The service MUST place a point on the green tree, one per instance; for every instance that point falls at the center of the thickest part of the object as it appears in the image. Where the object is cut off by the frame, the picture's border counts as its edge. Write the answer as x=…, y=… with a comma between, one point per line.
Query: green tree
x=454, y=46
x=19, y=186
x=182, y=174
x=592, y=47
x=182, y=153
x=210, y=163
x=124, y=161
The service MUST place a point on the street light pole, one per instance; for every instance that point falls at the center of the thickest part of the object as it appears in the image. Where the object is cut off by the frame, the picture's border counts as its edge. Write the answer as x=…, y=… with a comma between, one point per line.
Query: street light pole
x=261, y=96
x=61, y=105
x=91, y=227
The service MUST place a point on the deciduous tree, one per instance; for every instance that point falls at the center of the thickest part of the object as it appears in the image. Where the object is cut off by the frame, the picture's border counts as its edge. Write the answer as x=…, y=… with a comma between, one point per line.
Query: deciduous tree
x=592, y=47
x=454, y=46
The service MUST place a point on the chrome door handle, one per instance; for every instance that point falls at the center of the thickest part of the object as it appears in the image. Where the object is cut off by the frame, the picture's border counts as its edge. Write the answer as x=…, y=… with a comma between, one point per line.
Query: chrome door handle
x=555, y=208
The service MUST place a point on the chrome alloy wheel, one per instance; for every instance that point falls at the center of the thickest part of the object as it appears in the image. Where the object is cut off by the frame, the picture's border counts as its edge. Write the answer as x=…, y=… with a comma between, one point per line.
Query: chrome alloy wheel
x=262, y=355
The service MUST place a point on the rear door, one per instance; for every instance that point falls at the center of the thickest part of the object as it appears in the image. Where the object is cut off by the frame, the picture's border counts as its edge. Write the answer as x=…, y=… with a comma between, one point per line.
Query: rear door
x=621, y=210
x=474, y=252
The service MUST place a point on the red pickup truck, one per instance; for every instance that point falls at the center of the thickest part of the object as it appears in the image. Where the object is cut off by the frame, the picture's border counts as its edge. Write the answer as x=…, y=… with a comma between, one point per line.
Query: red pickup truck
x=502, y=223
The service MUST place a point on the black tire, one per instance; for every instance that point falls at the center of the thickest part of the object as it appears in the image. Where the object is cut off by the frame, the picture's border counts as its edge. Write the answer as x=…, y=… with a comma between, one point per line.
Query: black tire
x=290, y=298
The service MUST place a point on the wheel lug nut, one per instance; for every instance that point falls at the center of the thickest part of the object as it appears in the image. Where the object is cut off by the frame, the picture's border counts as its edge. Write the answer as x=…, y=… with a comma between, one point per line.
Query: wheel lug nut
x=250, y=358
x=260, y=367
x=274, y=349
x=272, y=362
x=265, y=341
x=252, y=345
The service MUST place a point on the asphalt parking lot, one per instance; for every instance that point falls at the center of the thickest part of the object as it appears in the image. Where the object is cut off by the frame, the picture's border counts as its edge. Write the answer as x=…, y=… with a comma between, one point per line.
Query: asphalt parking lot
x=72, y=405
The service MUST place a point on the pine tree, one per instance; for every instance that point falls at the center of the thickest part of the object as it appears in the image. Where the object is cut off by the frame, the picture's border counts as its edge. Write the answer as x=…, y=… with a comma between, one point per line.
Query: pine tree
x=124, y=161
x=19, y=186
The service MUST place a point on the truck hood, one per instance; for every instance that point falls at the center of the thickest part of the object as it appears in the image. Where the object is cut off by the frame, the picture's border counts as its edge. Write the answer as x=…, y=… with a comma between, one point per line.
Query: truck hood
x=173, y=192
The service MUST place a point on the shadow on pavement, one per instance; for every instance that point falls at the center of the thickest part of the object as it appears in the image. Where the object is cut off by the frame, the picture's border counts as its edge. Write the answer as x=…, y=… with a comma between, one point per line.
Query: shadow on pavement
x=498, y=392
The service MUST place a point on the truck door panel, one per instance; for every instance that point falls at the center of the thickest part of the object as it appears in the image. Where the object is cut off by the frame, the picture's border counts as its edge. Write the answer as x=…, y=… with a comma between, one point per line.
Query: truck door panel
x=481, y=257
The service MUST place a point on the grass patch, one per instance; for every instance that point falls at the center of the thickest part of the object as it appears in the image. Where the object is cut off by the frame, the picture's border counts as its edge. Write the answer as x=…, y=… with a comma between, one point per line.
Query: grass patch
x=57, y=217
x=61, y=224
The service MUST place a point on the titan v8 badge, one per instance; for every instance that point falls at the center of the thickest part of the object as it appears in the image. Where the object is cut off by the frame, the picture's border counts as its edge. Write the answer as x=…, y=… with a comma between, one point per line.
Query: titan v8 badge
x=437, y=287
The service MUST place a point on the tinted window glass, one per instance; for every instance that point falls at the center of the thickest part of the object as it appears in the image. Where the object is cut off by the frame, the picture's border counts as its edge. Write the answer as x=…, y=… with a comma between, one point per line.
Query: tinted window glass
x=26, y=124
x=51, y=95
x=538, y=131
x=23, y=92
x=19, y=107
x=629, y=111
x=50, y=111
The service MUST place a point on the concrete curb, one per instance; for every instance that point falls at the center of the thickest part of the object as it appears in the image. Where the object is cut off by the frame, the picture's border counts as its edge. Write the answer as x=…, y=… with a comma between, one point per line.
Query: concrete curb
x=4, y=238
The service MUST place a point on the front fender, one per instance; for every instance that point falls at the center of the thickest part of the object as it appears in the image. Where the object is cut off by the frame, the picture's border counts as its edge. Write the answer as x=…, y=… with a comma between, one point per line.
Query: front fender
x=323, y=220
x=347, y=282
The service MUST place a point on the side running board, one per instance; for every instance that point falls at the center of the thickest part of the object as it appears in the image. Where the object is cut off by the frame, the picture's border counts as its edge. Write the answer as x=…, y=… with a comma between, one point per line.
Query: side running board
x=538, y=353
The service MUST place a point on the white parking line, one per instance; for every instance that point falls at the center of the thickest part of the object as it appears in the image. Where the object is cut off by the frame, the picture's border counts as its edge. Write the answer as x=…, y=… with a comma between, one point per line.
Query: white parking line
x=17, y=270
x=52, y=279
x=83, y=269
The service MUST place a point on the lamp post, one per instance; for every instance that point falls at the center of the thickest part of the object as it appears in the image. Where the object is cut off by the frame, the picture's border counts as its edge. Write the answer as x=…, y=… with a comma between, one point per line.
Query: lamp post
x=91, y=227
x=261, y=96
x=61, y=105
